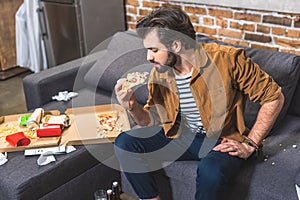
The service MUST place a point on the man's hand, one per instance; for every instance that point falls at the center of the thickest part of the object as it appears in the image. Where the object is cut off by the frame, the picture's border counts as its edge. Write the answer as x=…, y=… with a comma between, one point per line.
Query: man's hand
x=235, y=148
x=126, y=98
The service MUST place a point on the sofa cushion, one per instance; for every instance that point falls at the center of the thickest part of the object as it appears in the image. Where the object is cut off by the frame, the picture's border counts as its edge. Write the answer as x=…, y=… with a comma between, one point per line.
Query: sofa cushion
x=24, y=179
x=260, y=178
x=84, y=185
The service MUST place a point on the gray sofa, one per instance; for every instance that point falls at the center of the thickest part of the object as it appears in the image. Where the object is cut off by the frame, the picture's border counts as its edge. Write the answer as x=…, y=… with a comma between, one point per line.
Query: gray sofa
x=272, y=175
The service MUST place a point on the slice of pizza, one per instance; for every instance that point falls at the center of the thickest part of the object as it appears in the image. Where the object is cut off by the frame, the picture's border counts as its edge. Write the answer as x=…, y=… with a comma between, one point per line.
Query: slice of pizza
x=107, y=121
x=134, y=79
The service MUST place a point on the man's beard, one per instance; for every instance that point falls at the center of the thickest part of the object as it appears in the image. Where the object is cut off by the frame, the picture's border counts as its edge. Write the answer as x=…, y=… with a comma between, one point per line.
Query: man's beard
x=172, y=59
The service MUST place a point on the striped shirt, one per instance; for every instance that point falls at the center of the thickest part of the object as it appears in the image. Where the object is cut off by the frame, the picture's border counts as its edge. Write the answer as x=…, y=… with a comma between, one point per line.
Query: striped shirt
x=188, y=107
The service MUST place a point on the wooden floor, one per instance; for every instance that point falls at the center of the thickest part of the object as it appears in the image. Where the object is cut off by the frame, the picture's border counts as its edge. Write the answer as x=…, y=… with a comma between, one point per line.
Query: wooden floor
x=12, y=99
x=12, y=72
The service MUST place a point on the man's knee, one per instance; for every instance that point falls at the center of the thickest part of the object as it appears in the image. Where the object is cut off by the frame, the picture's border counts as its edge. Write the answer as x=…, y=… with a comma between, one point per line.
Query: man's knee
x=120, y=140
x=124, y=142
x=210, y=176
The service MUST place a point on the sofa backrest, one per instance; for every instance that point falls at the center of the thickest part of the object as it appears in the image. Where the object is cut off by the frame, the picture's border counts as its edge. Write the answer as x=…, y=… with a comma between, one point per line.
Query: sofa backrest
x=126, y=53
x=283, y=67
x=294, y=108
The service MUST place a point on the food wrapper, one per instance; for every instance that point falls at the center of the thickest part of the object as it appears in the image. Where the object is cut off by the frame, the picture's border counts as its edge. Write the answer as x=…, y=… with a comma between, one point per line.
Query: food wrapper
x=63, y=120
x=45, y=159
x=48, y=156
x=64, y=96
x=35, y=118
x=18, y=139
x=3, y=158
x=23, y=119
x=49, y=130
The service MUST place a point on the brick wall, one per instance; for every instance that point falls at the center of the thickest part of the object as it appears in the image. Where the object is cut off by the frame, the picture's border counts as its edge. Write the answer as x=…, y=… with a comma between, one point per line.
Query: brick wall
x=253, y=28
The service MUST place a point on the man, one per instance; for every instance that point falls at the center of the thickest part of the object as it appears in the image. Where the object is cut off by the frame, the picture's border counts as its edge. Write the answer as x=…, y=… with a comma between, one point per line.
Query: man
x=197, y=94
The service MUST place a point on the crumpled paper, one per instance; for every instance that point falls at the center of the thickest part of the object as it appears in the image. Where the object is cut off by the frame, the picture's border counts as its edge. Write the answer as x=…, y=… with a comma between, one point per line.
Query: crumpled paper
x=48, y=157
x=45, y=159
x=3, y=158
x=64, y=96
x=298, y=191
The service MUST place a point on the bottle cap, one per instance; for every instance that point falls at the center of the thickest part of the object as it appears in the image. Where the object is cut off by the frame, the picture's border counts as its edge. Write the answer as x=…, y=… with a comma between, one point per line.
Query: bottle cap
x=115, y=183
x=109, y=191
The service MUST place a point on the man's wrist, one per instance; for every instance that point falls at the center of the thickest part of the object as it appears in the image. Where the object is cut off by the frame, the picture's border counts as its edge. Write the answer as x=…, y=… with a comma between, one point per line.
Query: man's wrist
x=129, y=109
x=250, y=150
x=251, y=143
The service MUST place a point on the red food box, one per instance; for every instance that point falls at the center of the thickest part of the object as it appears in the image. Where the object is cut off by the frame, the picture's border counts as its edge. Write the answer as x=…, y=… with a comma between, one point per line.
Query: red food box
x=18, y=139
x=49, y=130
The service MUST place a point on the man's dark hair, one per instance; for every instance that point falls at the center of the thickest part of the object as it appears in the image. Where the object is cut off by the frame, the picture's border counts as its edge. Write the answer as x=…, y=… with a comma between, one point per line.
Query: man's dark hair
x=165, y=19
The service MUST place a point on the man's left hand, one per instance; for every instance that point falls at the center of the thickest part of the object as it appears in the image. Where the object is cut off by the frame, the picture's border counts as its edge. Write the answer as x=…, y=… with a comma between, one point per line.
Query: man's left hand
x=235, y=148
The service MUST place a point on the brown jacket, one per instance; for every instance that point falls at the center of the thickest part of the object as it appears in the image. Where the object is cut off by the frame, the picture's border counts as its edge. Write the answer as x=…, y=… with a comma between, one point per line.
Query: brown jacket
x=220, y=83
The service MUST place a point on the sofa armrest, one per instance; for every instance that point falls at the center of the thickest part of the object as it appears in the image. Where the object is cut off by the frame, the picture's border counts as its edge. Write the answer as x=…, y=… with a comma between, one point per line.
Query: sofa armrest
x=40, y=87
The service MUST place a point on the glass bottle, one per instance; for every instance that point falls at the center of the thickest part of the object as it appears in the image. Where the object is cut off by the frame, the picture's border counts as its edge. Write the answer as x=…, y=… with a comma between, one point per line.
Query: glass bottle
x=109, y=194
x=116, y=190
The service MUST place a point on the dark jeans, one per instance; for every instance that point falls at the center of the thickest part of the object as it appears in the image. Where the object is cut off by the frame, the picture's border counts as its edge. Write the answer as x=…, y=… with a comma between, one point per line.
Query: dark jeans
x=141, y=151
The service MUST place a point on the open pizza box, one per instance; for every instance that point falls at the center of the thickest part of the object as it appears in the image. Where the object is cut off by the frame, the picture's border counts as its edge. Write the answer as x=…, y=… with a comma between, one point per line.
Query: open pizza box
x=10, y=124
x=84, y=128
x=85, y=124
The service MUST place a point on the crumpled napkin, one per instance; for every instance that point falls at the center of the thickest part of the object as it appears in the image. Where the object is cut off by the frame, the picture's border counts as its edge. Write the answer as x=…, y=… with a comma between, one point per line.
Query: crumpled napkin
x=45, y=159
x=64, y=96
x=3, y=158
x=297, y=190
x=48, y=157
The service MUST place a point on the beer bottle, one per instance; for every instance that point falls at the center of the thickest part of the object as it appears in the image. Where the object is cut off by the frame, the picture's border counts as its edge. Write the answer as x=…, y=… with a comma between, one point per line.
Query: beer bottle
x=109, y=194
x=116, y=189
